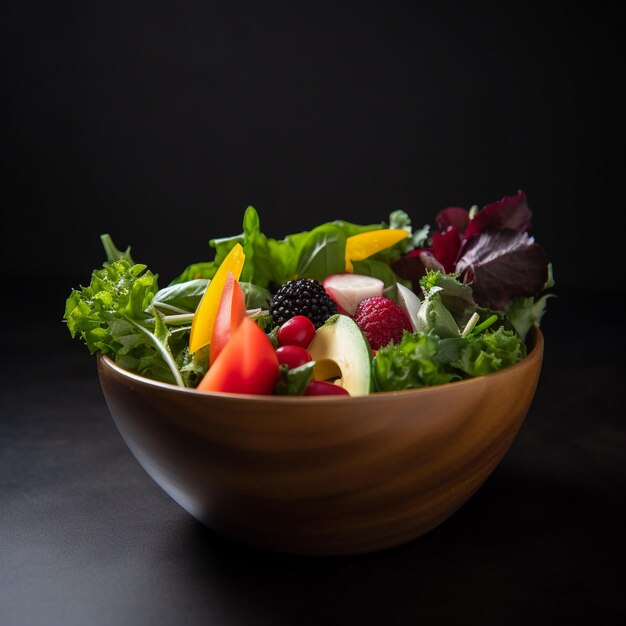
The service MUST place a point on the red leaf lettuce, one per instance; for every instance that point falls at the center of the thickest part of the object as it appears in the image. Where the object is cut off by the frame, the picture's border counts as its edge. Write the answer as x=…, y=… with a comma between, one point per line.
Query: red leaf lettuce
x=489, y=249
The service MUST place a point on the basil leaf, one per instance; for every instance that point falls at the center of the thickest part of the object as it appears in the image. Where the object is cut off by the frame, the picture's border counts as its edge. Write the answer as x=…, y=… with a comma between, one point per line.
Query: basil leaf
x=255, y=297
x=322, y=253
x=193, y=365
x=313, y=254
x=205, y=270
x=181, y=297
x=293, y=382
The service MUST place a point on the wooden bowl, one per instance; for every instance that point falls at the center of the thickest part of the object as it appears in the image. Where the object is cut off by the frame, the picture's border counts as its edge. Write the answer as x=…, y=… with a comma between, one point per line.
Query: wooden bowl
x=324, y=475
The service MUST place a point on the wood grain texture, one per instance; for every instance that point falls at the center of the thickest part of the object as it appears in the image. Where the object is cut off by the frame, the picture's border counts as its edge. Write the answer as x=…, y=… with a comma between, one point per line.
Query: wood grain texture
x=325, y=475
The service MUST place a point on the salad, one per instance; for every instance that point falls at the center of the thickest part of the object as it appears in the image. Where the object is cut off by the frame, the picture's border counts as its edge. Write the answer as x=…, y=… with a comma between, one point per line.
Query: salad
x=343, y=309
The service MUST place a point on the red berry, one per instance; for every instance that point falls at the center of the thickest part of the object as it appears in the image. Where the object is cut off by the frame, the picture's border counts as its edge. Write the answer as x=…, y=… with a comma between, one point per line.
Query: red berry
x=381, y=321
x=323, y=388
x=297, y=331
x=292, y=356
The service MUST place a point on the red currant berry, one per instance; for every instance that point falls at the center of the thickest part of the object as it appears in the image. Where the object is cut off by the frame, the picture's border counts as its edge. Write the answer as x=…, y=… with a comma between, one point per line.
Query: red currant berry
x=297, y=331
x=292, y=356
x=323, y=388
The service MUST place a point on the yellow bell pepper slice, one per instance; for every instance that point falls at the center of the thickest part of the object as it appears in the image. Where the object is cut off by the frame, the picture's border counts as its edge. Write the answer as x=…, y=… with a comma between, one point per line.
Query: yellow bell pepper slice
x=204, y=317
x=363, y=245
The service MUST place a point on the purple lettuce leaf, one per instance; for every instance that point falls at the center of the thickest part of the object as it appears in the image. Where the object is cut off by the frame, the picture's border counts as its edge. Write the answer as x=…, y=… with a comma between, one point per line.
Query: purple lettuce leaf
x=453, y=216
x=501, y=264
x=510, y=212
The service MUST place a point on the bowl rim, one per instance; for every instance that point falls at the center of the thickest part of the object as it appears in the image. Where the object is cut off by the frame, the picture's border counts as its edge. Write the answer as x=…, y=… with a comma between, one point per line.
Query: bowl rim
x=534, y=338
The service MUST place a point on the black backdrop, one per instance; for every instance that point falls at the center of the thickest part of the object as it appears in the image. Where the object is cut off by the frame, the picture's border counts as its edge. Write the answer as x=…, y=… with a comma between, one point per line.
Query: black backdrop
x=159, y=123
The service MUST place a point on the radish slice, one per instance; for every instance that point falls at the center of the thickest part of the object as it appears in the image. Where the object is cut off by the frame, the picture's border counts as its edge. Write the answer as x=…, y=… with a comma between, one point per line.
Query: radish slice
x=410, y=304
x=349, y=290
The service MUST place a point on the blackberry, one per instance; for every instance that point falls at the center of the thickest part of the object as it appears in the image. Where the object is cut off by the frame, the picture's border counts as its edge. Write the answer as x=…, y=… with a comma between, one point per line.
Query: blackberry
x=304, y=296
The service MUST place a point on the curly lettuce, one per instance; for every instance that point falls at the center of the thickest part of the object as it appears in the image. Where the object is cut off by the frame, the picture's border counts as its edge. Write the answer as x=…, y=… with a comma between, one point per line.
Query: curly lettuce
x=114, y=315
x=423, y=360
x=411, y=363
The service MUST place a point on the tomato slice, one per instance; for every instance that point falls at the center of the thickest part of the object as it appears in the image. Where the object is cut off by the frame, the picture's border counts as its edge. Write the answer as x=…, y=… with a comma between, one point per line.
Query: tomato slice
x=204, y=317
x=246, y=364
x=230, y=312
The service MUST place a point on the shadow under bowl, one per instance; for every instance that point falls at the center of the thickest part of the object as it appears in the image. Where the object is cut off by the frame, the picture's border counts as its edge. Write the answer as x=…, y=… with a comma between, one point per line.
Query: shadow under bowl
x=323, y=475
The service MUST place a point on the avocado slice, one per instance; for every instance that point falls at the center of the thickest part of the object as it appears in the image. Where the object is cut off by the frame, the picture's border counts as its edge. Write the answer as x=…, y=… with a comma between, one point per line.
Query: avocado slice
x=340, y=350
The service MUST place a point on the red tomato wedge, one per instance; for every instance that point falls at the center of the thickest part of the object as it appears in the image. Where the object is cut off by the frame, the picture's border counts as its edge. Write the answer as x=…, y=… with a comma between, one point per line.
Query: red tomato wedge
x=230, y=311
x=246, y=364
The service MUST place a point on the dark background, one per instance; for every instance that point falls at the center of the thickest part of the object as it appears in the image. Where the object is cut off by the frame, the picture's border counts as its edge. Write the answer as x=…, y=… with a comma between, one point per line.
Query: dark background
x=159, y=123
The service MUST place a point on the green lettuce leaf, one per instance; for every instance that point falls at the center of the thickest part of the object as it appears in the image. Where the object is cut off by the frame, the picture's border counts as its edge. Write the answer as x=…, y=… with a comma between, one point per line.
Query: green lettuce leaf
x=401, y=221
x=410, y=364
x=455, y=296
x=118, y=291
x=112, y=252
x=113, y=315
x=434, y=318
x=308, y=254
x=524, y=313
x=489, y=352
x=422, y=360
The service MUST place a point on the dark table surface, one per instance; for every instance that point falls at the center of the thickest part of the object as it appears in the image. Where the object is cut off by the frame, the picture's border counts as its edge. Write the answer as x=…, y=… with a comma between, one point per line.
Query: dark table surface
x=86, y=537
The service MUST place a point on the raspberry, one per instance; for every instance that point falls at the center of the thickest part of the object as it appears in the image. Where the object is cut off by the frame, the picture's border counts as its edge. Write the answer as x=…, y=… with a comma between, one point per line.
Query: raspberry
x=381, y=321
